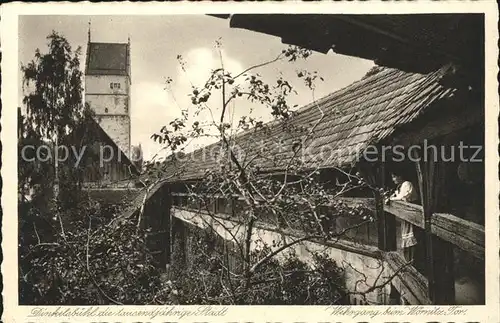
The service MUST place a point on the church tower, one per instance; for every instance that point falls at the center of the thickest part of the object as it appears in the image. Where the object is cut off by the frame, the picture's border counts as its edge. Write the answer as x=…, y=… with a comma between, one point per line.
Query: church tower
x=107, y=89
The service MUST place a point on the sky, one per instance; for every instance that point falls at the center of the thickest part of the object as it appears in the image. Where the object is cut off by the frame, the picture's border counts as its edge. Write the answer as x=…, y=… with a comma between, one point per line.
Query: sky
x=156, y=41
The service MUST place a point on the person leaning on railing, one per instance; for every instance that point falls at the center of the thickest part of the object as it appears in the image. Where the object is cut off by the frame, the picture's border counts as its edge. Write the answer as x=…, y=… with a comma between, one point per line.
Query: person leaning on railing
x=405, y=191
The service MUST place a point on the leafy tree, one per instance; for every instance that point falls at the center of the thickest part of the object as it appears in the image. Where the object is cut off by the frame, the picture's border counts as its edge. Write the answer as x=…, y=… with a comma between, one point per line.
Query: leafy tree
x=137, y=156
x=52, y=83
x=293, y=197
x=68, y=252
x=288, y=282
x=80, y=253
x=78, y=258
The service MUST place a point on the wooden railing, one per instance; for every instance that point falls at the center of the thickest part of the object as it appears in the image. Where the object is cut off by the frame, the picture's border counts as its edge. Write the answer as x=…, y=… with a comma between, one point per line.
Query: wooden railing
x=406, y=279
x=406, y=211
x=349, y=201
x=466, y=235
x=338, y=243
x=410, y=283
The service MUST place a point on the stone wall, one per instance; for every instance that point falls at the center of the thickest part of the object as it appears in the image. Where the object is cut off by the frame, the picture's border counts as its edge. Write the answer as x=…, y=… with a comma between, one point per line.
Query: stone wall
x=109, y=97
x=104, y=105
x=362, y=271
x=118, y=129
x=99, y=84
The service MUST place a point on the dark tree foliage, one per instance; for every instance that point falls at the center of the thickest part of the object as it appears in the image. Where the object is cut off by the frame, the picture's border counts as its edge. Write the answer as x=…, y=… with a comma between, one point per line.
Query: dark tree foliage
x=74, y=251
x=137, y=156
x=77, y=258
x=54, y=84
x=68, y=252
x=201, y=279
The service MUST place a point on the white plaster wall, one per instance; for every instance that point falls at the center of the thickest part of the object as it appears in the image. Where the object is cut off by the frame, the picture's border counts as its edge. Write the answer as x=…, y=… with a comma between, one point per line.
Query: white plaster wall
x=116, y=104
x=354, y=264
x=100, y=96
x=99, y=84
x=118, y=129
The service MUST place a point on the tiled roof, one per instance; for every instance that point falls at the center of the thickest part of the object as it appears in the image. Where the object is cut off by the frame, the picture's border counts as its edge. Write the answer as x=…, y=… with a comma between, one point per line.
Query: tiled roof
x=108, y=59
x=136, y=201
x=114, y=196
x=363, y=113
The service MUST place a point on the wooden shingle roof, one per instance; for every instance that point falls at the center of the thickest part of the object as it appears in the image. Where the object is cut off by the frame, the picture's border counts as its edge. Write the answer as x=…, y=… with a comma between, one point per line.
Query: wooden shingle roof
x=361, y=114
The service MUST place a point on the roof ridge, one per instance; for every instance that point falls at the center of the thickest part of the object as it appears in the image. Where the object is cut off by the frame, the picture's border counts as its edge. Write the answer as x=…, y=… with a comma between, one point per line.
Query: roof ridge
x=107, y=43
x=346, y=88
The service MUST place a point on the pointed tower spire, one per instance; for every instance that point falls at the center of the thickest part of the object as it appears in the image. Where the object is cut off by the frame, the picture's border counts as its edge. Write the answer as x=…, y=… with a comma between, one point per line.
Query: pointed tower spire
x=88, y=51
x=128, y=59
x=89, y=32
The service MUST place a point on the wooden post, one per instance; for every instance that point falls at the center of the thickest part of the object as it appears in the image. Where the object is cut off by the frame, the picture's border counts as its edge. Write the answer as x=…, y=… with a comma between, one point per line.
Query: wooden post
x=386, y=223
x=423, y=183
x=438, y=253
x=233, y=207
x=215, y=206
x=167, y=226
x=181, y=236
x=20, y=123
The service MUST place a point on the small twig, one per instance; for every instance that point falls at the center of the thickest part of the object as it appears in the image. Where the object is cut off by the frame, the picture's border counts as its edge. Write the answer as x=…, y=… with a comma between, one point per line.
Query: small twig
x=36, y=232
x=141, y=210
x=87, y=256
x=92, y=278
x=318, y=221
x=280, y=56
x=381, y=285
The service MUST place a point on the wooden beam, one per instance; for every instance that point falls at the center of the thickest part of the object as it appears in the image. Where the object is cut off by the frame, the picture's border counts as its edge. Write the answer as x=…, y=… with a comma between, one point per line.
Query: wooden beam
x=438, y=252
x=411, y=284
x=467, y=229
x=386, y=222
x=378, y=174
x=367, y=202
x=408, y=212
x=444, y=124
x=391, y=34
x=167, y=225
x=425, y=182
x=464, y=234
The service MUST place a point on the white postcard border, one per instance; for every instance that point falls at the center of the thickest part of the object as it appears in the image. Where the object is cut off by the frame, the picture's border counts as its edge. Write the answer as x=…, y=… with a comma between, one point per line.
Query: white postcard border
x=10, y=68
